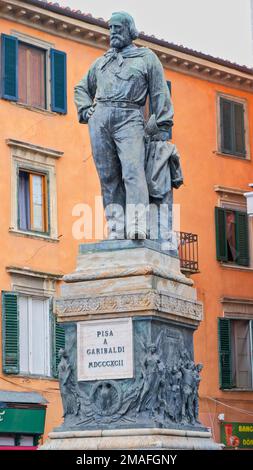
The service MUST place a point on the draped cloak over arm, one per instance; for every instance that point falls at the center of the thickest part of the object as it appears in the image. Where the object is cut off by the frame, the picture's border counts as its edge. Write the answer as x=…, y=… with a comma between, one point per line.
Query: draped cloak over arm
x=159, y=95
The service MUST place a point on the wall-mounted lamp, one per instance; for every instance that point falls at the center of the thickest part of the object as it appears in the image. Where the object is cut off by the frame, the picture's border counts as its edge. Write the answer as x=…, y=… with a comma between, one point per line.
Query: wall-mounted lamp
x=249, y=198
x=221, y=417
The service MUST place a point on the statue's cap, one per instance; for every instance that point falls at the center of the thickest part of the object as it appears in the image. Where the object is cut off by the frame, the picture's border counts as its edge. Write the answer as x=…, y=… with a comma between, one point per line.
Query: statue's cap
x=117, y=18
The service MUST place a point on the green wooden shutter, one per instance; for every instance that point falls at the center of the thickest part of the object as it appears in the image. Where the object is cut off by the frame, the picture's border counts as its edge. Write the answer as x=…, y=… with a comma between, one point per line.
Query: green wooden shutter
x=226, y=126
x=221, y=238
x=9, y=67
x=58, y=340
x=239, y=130
x=242, y=238
x=251, y=325
x=170, y=129
x=225, y=359
x=58, y=81
x=232, y=127
x=10, y=333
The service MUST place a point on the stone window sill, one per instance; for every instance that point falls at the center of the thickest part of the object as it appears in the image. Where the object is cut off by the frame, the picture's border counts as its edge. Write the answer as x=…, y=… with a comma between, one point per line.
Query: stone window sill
x=34, y=109
x=228, y=155
x=33, y=377
x=36, y=236
x=237, y=266
x=237, y=389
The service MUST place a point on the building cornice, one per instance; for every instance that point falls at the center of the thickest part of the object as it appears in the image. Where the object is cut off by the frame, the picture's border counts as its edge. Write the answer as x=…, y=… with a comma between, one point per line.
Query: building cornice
x=96, y=34
x=237, y=308
x=237, y=300
x=46, y=152
x=24, y=271
x=229, y=190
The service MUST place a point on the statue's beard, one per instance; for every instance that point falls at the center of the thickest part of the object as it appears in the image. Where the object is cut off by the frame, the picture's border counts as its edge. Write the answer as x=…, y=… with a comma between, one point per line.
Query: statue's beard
x=118, y=42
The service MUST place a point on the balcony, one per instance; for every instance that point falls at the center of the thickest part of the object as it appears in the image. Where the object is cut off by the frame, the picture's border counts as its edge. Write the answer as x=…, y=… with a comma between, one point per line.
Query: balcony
x=188, y=252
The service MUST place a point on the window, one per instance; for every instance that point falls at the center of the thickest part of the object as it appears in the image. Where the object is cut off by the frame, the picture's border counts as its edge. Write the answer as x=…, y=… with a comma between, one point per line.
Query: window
x=236, y=353
x=32, y=201
x=232, y=139
x=31, y=336
x=18, y=440
x=27, y=441
x=232, y=244
x=7, y=440
x=33, y=190
x=33, y=75
x=34, y=344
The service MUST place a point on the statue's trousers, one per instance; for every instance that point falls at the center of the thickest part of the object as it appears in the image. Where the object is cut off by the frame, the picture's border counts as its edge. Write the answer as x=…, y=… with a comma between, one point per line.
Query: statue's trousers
x=118, y=147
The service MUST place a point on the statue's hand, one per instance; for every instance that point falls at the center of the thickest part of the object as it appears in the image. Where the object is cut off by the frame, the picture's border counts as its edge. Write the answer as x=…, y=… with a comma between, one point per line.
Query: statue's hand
x=162, y=135
x=88, y=114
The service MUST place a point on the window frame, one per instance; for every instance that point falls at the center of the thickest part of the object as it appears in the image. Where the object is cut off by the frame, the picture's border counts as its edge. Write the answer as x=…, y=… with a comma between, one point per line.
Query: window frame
x=45, y=46
x=56, y=334
x=235, y=352
x=46, y=200
x=36, y=159
x=232, y=353
x=224, y=258
x=47, y=80
x=238, y=100
x=48, y=336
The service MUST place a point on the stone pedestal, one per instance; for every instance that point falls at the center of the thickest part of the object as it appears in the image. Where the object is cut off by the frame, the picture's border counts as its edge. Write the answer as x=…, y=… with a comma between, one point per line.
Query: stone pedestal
x=127, y=371
x=131, y=439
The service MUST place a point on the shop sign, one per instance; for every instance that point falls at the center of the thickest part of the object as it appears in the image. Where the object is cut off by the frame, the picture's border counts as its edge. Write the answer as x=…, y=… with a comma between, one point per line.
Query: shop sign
x=237, y=435
x=22, y=420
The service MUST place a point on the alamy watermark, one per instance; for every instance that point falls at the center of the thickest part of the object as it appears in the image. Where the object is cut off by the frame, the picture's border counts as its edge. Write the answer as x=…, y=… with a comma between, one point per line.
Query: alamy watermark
x=155, y=221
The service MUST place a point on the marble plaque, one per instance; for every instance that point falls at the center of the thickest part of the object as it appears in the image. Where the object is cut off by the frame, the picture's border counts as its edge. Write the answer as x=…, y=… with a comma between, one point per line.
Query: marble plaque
x=105, y=349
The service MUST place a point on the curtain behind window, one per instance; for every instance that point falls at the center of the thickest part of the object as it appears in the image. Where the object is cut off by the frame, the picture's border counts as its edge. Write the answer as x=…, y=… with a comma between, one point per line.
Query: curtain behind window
x=24, y=201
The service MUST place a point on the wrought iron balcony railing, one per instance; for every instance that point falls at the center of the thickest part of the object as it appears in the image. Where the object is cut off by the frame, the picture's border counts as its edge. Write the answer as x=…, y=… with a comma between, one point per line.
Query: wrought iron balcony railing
x=188, y=252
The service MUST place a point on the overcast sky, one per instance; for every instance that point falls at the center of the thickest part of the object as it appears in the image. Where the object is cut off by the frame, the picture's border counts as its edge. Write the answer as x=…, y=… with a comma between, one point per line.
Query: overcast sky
x=219, y=27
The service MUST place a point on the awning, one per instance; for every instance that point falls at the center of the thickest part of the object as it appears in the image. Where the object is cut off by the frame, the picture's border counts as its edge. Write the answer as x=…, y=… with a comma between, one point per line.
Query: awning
x=22, y=412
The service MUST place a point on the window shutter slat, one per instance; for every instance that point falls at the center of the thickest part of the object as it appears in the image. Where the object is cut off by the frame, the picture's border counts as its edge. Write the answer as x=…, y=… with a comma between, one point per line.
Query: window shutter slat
x=242, y=238
x=226, y=126
x=59, y=343
x=9, y=67
x=225, y=360
x=10, y=333
x=221, y=239
x=58, y=81
x=170, y=129
x=58, y=340
x=22, y=73
x=239, y=129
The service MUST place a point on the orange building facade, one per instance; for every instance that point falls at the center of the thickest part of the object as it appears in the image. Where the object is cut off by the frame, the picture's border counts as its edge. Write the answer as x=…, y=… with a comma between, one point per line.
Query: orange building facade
x=47, y=170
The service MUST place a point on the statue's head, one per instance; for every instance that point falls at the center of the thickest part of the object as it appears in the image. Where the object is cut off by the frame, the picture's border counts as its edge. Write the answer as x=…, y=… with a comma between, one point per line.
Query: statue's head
x=122, y=30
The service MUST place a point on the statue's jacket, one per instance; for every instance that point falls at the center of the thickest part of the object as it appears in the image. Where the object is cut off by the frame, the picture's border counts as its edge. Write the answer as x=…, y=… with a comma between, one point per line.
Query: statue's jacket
x=128, y=76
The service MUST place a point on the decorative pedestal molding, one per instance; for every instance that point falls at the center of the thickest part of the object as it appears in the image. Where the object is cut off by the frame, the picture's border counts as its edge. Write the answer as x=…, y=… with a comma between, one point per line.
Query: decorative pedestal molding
x=131, y=439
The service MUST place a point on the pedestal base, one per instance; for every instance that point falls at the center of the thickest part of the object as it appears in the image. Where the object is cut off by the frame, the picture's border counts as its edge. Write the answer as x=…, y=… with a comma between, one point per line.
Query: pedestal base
x=127, y=375
x=131, y=439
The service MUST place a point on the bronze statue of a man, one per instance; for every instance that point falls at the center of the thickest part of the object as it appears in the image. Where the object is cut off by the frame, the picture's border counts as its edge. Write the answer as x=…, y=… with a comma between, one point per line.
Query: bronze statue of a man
x=111, y=98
